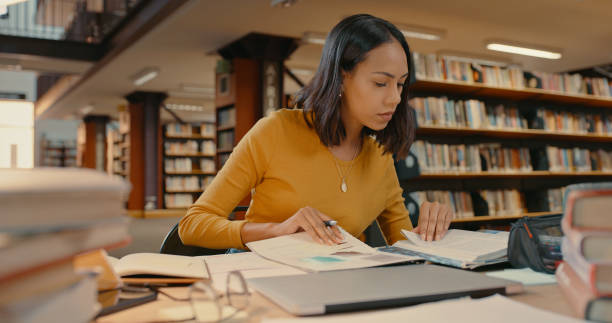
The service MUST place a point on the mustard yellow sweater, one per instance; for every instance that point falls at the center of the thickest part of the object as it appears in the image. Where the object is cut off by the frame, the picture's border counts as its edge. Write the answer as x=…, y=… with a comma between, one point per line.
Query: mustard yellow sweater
x=289, y=168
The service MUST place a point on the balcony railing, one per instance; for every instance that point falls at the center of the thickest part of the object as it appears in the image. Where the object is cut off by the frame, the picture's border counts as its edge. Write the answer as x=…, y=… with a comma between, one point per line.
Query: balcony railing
x=88, y=21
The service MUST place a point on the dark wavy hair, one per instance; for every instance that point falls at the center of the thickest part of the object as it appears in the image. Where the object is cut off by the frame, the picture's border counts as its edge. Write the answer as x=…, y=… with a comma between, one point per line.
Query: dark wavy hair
x=347, y=45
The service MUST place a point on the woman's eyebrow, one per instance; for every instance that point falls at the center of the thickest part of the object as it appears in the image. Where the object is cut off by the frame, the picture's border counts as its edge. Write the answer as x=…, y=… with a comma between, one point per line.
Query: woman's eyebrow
x=389, y=74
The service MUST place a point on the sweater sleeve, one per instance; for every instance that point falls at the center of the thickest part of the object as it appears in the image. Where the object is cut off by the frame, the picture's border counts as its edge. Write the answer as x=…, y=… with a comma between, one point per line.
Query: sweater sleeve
x=206, y=223
x=395, y=216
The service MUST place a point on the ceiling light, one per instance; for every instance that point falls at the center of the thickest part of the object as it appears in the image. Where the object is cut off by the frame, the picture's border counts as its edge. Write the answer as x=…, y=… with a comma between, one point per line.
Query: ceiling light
x=86, y=109
x=508, y=47
x=420, y=32
x=314, y=38
x=302, y=71
x=145, y=75
x=184, y=107
x=282, y=3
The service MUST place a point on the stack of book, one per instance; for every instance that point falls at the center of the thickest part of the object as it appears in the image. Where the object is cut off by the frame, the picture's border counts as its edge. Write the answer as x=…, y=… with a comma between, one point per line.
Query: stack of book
x=49, y=216
x=585, y=276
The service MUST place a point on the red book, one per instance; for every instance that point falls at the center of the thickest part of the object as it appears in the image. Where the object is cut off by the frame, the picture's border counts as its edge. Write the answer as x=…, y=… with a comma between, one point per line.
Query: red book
x=579, y=296
x=594, y=245
x=597, y=277
x=587, y=207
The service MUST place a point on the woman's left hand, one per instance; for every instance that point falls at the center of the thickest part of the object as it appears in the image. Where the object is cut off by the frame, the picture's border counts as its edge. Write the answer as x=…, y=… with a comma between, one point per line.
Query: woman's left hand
x=434, y=220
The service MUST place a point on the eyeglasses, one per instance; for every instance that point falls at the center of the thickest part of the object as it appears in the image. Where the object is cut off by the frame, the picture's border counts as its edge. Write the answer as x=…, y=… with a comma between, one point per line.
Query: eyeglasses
x=207, y=304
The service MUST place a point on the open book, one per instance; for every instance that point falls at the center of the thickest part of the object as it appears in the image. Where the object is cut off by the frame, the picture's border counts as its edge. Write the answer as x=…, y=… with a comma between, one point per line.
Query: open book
x=300, y=251
x=155, y=268
x=459, y=248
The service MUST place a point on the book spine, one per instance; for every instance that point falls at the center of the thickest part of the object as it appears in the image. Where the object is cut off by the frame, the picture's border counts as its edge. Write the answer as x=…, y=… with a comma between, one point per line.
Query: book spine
x=573, y=288
x=588, y=272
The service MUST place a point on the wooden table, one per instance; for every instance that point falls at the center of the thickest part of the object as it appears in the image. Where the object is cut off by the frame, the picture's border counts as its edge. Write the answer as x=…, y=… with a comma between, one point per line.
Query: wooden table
x=546, y=297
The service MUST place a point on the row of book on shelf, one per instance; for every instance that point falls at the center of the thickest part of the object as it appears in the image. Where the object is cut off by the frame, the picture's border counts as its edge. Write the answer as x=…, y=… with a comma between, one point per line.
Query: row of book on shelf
x=178, y=200
x=187, y=183
x=441, y=111
x=186, y=165
x=118, y=166
x=509, y=202
x=578, y=159
x=454, y=69
x=585, y=275
x=451, y=158
x=190, y=147
x=226, y=117
x=186, y=129
x=225, y=140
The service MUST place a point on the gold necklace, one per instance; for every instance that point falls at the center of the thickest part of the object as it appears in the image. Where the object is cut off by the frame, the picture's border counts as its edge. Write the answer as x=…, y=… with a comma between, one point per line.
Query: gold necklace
x=343, y=177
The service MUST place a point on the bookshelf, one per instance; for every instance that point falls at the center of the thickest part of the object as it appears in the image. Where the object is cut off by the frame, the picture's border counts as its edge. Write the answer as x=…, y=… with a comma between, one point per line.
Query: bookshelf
x=118, y=146
x=501, y=218
x=566, y=132
x=188, y=162
x=57, y=153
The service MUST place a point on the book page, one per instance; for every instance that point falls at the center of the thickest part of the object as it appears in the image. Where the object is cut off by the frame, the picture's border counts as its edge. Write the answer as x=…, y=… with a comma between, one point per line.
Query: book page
x=249, y=264
x=161, y=264
x=299, y=250
x=468, y=246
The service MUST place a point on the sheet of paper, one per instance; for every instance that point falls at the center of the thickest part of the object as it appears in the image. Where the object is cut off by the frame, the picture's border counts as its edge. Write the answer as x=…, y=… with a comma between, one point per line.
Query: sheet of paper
x=249, y=264
x=526, y=276
x=468, y=246
x=300, y=251
x=498, y=309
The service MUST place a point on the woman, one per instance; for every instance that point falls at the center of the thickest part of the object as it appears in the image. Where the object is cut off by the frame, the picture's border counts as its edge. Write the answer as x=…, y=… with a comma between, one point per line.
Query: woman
x=329, y=160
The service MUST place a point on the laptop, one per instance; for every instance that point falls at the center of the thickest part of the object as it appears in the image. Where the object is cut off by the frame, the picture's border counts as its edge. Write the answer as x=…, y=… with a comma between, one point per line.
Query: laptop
x=380, y=287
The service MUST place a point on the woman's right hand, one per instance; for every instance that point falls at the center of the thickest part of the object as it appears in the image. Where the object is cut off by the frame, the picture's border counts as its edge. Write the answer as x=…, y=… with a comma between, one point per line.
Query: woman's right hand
x=310, y=220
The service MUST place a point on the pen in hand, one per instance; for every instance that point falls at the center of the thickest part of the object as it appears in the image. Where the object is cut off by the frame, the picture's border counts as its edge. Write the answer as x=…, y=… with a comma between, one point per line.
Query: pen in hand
x=330, y=223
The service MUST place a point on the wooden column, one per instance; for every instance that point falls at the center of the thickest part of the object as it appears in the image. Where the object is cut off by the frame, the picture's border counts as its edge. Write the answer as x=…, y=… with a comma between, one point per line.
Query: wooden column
x=93, y=152
x=145, y=150
x=250, y=81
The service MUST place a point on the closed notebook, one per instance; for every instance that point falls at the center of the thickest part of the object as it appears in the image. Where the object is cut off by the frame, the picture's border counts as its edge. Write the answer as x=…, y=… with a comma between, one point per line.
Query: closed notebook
x=159, y=268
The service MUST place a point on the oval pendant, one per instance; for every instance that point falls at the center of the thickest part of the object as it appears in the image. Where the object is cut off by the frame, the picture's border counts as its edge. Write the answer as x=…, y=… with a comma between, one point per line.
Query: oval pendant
x=343, y=187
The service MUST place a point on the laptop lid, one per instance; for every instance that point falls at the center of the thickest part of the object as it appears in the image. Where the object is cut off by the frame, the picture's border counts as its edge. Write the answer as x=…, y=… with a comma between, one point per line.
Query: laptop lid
x=370, y=288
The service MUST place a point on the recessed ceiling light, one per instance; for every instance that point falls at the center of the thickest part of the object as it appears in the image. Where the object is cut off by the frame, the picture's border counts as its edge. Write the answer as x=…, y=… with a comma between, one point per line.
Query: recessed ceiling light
x=526, y=50
x=420, y=32
x=282, y=3
x=145, y=75
x=86, y=109
x=302, y=71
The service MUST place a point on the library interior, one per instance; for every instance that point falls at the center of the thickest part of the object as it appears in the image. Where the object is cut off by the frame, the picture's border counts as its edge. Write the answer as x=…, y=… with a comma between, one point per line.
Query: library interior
x=192, y=160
